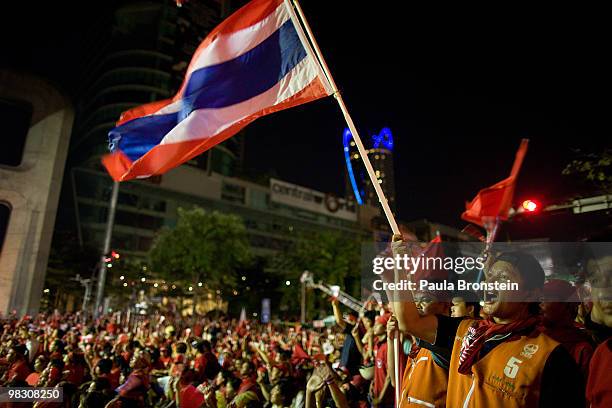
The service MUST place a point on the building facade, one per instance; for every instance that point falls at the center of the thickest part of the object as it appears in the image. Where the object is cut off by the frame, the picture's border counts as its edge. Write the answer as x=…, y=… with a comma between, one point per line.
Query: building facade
x=38, y=119
x=273, y=214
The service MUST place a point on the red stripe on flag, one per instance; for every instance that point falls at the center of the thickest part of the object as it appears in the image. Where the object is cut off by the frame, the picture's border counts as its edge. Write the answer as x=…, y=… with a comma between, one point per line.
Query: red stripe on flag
x=117, y=164
x=142, y=110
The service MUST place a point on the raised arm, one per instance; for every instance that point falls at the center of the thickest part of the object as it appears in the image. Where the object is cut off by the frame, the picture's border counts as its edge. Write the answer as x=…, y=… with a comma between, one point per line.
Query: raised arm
x=391, y=333
x=338, y=314
x=404, y=309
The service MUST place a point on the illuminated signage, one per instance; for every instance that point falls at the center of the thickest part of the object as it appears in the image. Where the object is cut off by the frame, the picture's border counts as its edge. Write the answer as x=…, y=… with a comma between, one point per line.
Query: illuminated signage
x=312, y=200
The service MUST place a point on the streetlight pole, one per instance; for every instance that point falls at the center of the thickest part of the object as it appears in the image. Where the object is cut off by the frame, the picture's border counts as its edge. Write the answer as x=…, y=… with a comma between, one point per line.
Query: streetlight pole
x=107, y=241
x=303, y=298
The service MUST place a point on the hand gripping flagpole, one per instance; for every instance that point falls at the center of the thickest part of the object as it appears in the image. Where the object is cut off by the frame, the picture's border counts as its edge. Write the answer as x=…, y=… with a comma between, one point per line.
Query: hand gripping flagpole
x=313, y=49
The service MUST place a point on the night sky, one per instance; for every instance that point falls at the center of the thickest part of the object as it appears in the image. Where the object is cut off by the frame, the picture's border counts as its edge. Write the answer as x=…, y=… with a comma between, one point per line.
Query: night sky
x=459, y=87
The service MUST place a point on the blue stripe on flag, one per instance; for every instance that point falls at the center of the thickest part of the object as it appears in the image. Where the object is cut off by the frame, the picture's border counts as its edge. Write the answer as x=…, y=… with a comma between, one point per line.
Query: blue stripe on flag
x=246, y=76
x=217, y=86
x=138, y=136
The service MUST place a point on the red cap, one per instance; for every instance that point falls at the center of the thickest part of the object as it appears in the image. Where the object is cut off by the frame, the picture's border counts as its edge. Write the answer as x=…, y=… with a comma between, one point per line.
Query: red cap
x=383, y=319
x=559, y=290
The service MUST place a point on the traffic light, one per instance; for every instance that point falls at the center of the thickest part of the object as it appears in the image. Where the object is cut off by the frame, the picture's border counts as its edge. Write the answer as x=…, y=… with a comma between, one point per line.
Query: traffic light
x=530, y=206
x=109, y=259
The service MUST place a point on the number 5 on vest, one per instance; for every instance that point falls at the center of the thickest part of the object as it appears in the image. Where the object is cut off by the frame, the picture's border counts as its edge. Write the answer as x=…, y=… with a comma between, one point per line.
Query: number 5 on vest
x=512, y=367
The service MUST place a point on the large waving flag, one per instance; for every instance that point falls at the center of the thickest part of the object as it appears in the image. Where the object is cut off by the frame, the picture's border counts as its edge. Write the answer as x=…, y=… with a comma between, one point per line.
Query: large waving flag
x=495, y=201
x=253, y=64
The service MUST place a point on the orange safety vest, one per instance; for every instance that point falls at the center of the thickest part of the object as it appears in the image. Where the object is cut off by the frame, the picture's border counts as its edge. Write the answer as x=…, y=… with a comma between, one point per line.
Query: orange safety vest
x=508, y=376
x=424, y=383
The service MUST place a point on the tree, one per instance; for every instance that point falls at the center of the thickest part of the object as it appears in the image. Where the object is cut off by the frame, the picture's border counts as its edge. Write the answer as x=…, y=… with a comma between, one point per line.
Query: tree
x=67, y=260
x=332, y=257
x=594, y=168
x=204, y=246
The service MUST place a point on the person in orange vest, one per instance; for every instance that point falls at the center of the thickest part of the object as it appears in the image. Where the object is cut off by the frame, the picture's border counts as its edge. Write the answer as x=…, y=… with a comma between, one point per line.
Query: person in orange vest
x=503, y=361
x=426, y=374
x=599, y=386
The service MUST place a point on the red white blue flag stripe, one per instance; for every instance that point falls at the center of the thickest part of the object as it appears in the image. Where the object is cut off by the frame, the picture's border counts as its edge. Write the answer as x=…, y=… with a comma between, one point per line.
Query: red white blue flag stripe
x=253, y=64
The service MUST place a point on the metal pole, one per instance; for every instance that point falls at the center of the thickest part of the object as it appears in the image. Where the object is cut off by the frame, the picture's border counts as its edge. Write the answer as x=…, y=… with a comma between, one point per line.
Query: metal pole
x=87, y=284
x=349, y=121
x=303, y=304
x=107, y=241
x=396, y=368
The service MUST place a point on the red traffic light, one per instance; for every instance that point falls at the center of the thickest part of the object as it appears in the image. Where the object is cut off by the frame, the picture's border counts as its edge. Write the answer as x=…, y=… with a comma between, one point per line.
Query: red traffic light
x=115, y=254
x=530, y=205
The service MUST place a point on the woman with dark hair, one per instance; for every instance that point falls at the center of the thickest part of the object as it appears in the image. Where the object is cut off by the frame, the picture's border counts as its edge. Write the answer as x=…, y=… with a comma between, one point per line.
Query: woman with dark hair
x=281, y=394
x=18, y=365
x=39, y=366
x=504, y=361
x=133, y=393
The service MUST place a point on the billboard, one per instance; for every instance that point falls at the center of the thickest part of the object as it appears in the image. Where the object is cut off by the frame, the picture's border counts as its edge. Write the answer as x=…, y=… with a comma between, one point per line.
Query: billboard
x=301, y=197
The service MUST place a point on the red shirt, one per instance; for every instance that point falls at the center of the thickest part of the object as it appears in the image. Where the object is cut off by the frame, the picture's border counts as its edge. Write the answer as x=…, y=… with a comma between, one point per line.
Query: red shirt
x=380, y=372
x=113, y=377
x=190, y=397
x=76, y=374
x=576, y=342
x=55, y=375
x=32, y=379
x=599, y=386
x=19, y=370
x=165, y=361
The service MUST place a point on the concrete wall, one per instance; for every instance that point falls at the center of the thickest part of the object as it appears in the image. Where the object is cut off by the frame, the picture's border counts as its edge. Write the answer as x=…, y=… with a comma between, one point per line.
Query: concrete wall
x=32, y=191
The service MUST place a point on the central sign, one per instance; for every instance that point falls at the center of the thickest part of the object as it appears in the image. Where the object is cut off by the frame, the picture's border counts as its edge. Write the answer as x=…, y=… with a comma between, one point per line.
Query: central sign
x=301, y=197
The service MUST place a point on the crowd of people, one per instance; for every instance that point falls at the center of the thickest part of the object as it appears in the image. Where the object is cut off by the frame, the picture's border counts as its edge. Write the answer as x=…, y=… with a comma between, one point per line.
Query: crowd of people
x=454, y=351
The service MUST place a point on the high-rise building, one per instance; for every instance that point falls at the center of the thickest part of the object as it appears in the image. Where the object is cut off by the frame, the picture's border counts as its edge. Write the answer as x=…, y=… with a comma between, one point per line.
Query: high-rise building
x=379, y=148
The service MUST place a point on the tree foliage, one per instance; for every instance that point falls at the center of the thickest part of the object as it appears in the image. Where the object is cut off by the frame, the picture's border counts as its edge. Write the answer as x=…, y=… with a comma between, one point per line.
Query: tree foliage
x=205, y=246
x=332, y=257
x=594, y=168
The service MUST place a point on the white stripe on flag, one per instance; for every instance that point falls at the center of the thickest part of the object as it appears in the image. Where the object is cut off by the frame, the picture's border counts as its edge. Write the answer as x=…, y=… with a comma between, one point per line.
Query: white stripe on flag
x=229, y=46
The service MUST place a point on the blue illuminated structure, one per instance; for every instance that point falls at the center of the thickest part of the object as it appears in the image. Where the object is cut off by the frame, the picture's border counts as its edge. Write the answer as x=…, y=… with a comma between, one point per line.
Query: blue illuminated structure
x=346, y=138
x=384, y=138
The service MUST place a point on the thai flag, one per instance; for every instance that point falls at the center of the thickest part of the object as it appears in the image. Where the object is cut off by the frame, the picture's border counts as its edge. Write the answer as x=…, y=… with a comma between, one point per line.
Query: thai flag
x=254, y=63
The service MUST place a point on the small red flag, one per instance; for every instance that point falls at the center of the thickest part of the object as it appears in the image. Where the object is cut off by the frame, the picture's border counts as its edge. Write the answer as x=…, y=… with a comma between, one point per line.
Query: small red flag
x=495, y=201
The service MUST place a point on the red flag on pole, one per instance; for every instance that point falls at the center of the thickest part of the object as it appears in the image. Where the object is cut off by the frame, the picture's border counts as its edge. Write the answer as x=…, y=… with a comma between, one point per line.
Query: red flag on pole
x=495, y=201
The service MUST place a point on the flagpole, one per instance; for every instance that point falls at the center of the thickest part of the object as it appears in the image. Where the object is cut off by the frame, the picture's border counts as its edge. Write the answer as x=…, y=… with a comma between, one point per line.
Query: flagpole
x=396, y=368
x=322, y=65
x=107, y=241
x=349, y=121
